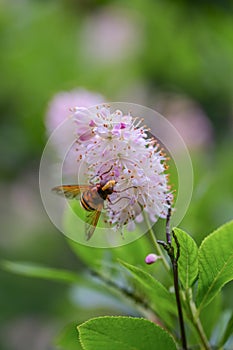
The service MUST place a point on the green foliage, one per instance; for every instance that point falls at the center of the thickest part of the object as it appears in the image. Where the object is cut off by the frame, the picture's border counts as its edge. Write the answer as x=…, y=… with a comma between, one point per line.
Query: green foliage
x=157, y=296
x=188, y=262
x=214, y=308
x=198, y=68
x=38, y=271
x=215, y=263
x=29, y=269
x=29, y=51
x=125, y=333
x=41, y=55
x=211, y=204
x=211, y=266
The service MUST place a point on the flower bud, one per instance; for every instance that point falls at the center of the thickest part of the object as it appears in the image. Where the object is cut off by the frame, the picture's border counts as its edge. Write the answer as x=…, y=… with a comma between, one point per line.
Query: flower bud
x=151, y=259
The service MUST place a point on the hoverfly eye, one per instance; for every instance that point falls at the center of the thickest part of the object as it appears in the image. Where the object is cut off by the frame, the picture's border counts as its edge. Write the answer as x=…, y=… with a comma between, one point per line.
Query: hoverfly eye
x=102, y=183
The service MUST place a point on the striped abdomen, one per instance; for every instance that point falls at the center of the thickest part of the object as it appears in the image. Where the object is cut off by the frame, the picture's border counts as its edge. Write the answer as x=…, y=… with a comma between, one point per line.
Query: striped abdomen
x=91, y=200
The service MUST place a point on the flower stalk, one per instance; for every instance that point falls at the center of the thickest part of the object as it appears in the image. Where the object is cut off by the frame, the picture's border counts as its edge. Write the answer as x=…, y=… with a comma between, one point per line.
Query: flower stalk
x=194, y=317
x=156, y=243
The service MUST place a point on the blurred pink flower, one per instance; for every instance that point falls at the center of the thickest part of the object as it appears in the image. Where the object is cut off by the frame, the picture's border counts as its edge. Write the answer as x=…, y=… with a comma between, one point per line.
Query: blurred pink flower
x=189, y=119
x=58, y=109
x=111, y=35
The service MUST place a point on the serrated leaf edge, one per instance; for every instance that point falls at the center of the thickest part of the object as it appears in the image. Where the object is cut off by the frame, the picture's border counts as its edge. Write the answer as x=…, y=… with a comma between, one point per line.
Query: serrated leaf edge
x=202, y=303
x=187, y=286
x=137, y=319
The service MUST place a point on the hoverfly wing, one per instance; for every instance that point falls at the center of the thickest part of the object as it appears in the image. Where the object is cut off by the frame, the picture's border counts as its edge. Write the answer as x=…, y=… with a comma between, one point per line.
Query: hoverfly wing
x=70, y=191
x=91, y=221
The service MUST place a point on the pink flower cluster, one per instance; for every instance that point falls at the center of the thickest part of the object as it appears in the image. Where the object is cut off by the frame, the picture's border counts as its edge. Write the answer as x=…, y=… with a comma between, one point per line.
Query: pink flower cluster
x=114, y=146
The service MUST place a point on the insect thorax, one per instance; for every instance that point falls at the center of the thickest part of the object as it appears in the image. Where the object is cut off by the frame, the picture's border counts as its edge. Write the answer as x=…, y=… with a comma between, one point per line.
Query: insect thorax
x=105, y=189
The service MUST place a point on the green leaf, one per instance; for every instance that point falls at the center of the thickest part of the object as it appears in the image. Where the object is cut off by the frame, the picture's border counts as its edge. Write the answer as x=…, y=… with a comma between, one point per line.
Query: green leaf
x=124, y=333
x=188, y=260
x=68, y=339
x=215, y=263
x=64, y=276
x=159, y=299
x=38, y=271
x=214, y=308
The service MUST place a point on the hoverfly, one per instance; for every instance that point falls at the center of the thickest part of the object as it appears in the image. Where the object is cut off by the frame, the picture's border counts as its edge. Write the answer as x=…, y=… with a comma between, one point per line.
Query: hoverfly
x=92, y=200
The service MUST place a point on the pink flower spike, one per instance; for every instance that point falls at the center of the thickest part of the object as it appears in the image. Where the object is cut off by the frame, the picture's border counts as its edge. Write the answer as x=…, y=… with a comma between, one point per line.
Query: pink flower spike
x=112, y=144
x=151, y=259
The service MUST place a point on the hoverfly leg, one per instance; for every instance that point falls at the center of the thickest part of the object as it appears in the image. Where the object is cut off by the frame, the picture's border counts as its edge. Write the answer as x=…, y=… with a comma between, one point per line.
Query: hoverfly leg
x=118, y=200
x=106, y=172
x=125, y=189
x=99, y=175
x=121, y=233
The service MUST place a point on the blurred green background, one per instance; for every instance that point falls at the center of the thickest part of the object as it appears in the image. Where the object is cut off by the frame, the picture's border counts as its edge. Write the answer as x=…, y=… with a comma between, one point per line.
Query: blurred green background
x=173, y=56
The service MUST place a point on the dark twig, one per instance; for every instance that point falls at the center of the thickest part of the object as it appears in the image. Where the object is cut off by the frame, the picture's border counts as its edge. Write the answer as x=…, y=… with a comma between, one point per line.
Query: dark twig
x=168, y=233
x=174, y=260
x=177, y=292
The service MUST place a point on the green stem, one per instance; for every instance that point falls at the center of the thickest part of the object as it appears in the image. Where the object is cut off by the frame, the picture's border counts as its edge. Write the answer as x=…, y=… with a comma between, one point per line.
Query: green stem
x=199, y=328
x=196, y=320
x=155, y=243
